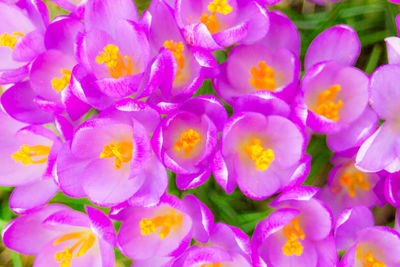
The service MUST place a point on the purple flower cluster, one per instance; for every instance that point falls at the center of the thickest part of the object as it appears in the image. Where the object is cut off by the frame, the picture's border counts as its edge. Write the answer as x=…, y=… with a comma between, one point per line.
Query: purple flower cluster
x=100, y=103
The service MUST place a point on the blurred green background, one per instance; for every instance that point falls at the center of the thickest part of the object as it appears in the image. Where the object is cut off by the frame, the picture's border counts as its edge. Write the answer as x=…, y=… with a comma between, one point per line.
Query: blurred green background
x=373, y=20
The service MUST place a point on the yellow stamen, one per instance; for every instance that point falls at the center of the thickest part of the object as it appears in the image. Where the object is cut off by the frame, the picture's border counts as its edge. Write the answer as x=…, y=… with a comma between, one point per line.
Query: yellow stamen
x=84, y=239
x=177, y=51
x=31, y=154
x=187, y=141
x=263, y=79
x=216, y=6
x=10, y=40
x=326, y=105
x=121, y=151
x=353, y=181
x=211, y=265
x=165, y=222
x=262, y=157
x=368, y=259
x=115, y=62
x=60, y=84
x=293, y=233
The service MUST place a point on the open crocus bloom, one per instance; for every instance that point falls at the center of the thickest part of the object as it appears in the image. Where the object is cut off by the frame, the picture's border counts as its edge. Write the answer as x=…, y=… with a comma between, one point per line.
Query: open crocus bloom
x=110, y=159
x=297, y=234
x=21, y=38
x=186, y=140
x=347, y=187
x=28, y=156
x=178, y=69
x=211, y=24
x=381, y=150
x=335, y=96
x=114, y=49
x=164, y=230
x=374, y=246
x=60, y=236
x=261, y=150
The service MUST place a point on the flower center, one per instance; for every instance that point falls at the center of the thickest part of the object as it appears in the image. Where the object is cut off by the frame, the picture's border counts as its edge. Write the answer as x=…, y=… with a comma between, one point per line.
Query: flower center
x=354, y=180
x=216, y=6
x=10, y=40
x=326, y=105
x=84, y=239
x=368, y=259
x=211, y=265
x=165, y=223
x=177, y=49
x=115, y=62
x=293, y=232
x=262, y=157
x=188, y=141
x=31, y=154
x=60, y=84
x=263, y=79
x=122, y=152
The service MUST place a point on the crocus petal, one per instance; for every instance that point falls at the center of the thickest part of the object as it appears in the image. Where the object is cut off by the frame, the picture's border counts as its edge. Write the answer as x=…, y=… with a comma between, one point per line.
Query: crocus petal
x=197, y=256
x=101, y=225
x=393, y=49
x=379, y=150
x=222, y=173
x=27, y=197
x=29, y=46
x=327, y=252
x=338, y=43
x=349, y=222
x=392, y=189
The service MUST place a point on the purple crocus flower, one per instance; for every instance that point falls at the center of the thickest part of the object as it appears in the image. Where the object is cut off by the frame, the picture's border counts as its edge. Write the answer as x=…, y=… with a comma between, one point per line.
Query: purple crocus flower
x=178, y=69
x=114, y=52
x=186, y=140
x=347, y=186
x=380, y=151
x=373, y=246
x=110, y=159
x=27, y=156
x=60, y=236
x=261, y=150
x=164, y=230
x=299, y=233
x=21, y=37
x=212, y=24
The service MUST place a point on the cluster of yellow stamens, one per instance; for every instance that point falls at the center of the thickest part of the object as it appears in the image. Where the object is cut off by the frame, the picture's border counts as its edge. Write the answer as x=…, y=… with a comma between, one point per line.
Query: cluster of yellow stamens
x=293, y=233
x=187, y=141
x=211, y=21
x=115, y=62
x=263, y=78
x=31, y=154
x=84, y=239
x=177, y=50
x=262, y=157
x=353, y=181
x=10, y=40
x=122, y=152
x=60, y=84
x=211, y=265
x=368, y=259
x=326, y=105
x=166, y=223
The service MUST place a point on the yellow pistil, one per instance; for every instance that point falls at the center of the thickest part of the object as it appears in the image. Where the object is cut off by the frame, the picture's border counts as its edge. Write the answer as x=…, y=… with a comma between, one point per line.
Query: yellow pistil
x=354, y=180
x=211, y=265
x=216, y=6
x=187, y=141
x=115, y=62
x=293, y=233
x=122, y=152
x=263, y=79
x=262, y=157
x=31, y=154
x=177, y=51
x=60, y=84
x=10, y=40
x=326, y=105
x=368, y=259
x=166, y=223
x=84, y=239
